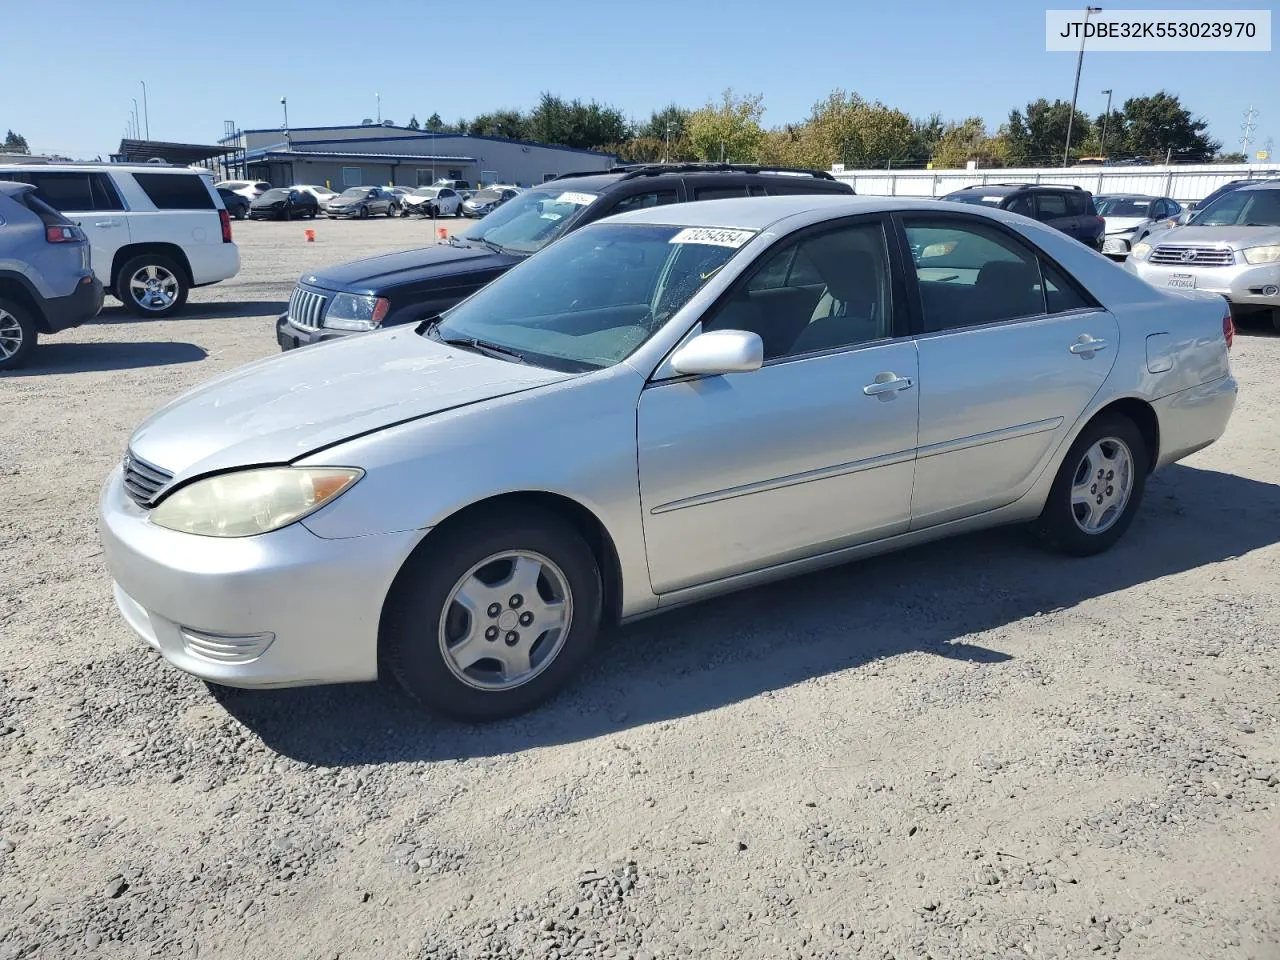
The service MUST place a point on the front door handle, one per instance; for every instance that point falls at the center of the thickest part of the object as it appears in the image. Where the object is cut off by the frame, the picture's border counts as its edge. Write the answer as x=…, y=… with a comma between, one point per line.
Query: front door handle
x=105, y=223
x=1087, y=346
x=887, y=385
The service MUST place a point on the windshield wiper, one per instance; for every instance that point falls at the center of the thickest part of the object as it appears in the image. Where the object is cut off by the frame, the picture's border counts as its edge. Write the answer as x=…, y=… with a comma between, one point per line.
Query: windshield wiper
x=496, y=248
x=480, y=346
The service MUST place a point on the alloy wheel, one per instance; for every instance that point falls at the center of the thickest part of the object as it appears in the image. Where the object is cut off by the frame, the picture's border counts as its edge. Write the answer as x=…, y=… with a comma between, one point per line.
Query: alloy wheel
x=153, y=288
x=1101, y=486
x=11, y=335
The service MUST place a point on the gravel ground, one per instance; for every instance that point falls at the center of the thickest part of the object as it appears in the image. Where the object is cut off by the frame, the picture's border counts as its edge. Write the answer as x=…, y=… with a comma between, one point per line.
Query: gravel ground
x=968, y=750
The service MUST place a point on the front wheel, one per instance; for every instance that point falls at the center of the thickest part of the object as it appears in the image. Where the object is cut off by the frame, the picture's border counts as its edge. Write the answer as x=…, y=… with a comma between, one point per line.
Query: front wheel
x=392, y=210
x=1098, y=488
x=152, y=286
x=17, y=335
x=494, y=616
x=364, y=213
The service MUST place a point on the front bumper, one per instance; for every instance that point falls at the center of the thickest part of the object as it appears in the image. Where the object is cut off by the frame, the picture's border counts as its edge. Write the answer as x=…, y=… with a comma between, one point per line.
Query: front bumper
x=290, y=337
x=1241, y=283
x=80, y=306
x=286, y=608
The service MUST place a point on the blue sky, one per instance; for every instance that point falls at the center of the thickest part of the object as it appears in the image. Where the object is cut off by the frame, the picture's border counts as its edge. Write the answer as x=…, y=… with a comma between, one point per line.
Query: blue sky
x=203, y=66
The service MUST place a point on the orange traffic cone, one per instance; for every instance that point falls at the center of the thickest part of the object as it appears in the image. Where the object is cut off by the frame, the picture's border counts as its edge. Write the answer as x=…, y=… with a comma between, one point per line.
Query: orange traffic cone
x=442, y=233
x=310, y=235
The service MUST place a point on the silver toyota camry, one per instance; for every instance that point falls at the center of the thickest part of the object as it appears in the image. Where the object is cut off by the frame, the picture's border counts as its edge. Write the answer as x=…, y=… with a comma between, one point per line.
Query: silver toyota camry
x=660, y=407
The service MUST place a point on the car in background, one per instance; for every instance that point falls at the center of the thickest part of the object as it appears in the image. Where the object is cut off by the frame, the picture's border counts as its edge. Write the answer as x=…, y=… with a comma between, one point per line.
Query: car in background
x=322, y=194
x=1067, y=208
x=284, y=203
x=46, y=281
x=484, y=202
x=462, y=186
x=431, y=202
x=464, y=506
x=1225, y=188
x=362, y=202
x=1230, y=247
x=1130, y=217
x=155, y=231
x=407, y=287
x=236, y=204
x=249, y=189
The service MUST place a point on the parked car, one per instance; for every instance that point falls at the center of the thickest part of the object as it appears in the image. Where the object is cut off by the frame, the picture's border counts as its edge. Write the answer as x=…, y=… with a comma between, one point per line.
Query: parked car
x=459, y=185
x=684, y=374
x=46, y=282
x=249, y=189
x=284, y=203
x=235, y=204
x=407, y=287
x=322, y=194
x=1067, y=208
x=361, y=202
x=432, y=202
x=1230, y=247
x=1225, y=188
x=1130, y=217
x=155, y=231
x=484, y=202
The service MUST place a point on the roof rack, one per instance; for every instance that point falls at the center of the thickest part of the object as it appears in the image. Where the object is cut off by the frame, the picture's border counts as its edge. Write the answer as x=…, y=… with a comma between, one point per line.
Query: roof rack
x=632, y=171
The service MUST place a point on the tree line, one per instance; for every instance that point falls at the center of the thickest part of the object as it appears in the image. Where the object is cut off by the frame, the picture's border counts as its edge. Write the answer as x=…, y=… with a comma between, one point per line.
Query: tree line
x=14, y=143
x=846, y=128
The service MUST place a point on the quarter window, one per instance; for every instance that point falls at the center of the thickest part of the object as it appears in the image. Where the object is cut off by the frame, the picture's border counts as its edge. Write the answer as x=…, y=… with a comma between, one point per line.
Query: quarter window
x=1078, y=205
x=969, y=274
x=175, y=191
x=820, y=293
x=1022, y=205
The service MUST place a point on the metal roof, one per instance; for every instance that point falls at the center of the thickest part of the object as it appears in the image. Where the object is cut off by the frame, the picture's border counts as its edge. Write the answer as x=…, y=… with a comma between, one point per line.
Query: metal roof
x=141, y=151
x=254, y=155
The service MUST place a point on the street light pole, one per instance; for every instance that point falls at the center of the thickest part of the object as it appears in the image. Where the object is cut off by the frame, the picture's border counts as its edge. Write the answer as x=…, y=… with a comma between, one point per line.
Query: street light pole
x=1105, y=118
x=1066, y=152
x=379, y=96
x=666, y=150
x=146, y=114
x=137, y=127
x=284, y=102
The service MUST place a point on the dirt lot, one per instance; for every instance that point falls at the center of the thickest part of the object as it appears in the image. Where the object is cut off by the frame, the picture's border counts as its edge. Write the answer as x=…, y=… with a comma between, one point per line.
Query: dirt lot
x=970, y=750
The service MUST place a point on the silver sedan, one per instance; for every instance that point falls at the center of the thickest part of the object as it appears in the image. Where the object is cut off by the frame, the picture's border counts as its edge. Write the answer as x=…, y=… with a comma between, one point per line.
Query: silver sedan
x=660, y=407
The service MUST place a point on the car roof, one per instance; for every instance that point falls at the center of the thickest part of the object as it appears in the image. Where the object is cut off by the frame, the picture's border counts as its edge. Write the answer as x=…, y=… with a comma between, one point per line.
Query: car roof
x=758, y=213
x=87, y=167
x=1262, y=185
x=1126, y=196
x=647, y=173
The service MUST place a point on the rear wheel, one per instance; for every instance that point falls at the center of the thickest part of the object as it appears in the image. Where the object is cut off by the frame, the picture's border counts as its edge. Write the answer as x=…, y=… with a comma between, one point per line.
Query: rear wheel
x=494, y=616
x=152, y=285
x=17, y=334
x=1098, y=488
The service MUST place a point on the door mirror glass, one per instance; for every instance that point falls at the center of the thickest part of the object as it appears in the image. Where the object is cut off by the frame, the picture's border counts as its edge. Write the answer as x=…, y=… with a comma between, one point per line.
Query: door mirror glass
x=719, y=352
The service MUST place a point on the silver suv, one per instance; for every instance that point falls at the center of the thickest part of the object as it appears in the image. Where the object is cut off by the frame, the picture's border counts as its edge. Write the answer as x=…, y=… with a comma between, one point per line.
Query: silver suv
x=1231, y=247
x=46, y=282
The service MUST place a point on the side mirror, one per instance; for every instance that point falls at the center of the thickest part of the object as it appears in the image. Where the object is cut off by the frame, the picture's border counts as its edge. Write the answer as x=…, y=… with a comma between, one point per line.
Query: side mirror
x=719, y=352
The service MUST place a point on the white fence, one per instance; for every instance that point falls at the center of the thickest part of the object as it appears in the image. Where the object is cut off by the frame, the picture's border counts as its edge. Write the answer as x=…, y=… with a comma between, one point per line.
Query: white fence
x=1183, y=183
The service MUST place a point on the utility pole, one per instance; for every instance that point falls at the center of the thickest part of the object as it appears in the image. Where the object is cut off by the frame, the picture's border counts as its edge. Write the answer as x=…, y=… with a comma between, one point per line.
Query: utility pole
x=379, y=96
x=1248, y=128
x=146, y=114
x=1066, y=151
x=1105, y=118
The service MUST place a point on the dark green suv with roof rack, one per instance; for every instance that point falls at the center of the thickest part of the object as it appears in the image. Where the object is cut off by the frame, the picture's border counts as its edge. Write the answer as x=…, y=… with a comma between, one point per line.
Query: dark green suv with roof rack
x=407, y=287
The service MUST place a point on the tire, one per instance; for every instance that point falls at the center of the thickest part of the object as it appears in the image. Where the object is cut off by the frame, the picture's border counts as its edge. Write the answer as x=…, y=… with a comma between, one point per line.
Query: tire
x=286, y=214
x=1063, y=524
x=1275, y=319
x=392, y=210
x=416, y=654
x=18, y=334
x=241, y=213
x=364, y=213
x=173, y=288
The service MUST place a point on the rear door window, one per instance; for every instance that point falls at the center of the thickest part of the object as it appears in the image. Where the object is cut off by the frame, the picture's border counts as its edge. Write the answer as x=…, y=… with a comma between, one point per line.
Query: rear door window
x=719, y=192
x=638, y=201
x=1078, y=205
x=175, y=191
x=1051, y=206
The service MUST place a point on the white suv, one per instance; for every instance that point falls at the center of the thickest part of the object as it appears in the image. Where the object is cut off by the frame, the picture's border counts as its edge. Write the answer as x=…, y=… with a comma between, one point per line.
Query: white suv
x=154, y=231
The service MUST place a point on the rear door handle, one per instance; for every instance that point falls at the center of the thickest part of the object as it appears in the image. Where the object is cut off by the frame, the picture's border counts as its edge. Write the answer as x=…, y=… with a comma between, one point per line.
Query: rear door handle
x=105, y=223
x=1087, y=346
x=887, y=385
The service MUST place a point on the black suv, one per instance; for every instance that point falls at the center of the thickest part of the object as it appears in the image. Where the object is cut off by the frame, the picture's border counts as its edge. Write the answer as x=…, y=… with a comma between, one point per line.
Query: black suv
x=407, y=287
x=1066, y=208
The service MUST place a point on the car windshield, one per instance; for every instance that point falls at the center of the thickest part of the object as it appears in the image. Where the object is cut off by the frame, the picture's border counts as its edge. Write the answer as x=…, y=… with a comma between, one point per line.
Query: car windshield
x=1122, y=207
x=529, y=221
x=590, y=300
x=279, y=193
x=488, y=194
x=426, y=192
x=987, y=200
x=355, y=191
x=1241, y=208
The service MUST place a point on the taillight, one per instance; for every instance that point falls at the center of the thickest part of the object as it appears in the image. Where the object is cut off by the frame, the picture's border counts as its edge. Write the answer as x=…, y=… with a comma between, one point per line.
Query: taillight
x=225, y=219
x=1228, y=328
x=62, y=234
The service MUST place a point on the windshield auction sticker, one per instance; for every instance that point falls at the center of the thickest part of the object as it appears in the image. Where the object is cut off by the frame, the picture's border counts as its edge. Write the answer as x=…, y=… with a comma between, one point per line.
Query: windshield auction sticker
x=578, y=199
x=713, y=236
x=1138, y=31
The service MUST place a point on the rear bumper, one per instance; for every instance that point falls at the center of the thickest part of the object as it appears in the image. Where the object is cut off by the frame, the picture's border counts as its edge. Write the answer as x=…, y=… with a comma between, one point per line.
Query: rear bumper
x=81, y=306
x=1192, y=419
x=212, y=262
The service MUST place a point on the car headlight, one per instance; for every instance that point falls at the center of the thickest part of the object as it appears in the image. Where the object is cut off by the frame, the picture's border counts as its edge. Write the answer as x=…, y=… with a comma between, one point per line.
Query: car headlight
x=1267, y=254
x=1118, y=243
x=1140, y=250
x=250, y=502
x=351, y=312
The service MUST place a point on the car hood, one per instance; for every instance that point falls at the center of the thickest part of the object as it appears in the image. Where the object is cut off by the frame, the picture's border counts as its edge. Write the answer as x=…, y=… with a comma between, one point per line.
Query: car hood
x=1124, y=224
x=1237, y=237
x=284, y=407
x=374, y=275
x=412, y=200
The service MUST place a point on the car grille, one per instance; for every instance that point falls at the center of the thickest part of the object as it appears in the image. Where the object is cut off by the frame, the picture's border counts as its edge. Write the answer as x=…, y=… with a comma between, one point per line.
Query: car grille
x=306, y=309
x=1186, y=256
x=142, y=480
